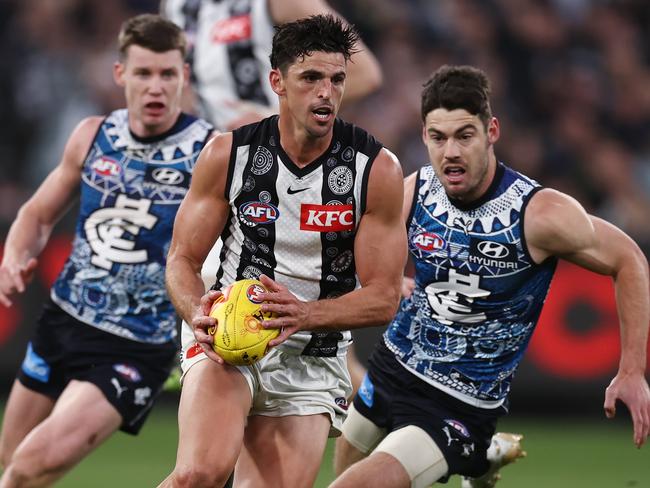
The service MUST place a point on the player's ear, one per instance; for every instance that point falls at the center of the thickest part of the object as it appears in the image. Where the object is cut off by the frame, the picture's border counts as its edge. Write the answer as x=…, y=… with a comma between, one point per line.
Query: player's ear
x=186, y=74
x=118, y=73
x=277, y=82
x=493, y=130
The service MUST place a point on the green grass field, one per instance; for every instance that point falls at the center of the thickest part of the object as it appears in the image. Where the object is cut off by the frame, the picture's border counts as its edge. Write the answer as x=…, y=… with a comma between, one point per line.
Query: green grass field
x=594, y=454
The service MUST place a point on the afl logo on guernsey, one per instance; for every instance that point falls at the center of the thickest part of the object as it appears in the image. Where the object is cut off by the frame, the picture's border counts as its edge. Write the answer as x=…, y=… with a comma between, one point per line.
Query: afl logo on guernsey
x=253, y=213
x=106, y=166
x=429, y=242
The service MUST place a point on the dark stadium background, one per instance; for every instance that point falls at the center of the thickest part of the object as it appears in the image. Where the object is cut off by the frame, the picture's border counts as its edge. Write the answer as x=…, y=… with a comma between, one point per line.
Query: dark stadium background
x=571, y=88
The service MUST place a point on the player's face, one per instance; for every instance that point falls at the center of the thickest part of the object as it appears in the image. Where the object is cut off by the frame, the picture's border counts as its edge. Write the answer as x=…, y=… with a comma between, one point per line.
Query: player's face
x=312, y=89
x=460, y=150
x=153, y=86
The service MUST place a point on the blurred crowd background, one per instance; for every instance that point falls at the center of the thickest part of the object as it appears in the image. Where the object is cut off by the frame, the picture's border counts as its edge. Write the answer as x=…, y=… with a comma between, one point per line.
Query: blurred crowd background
x=571, y=86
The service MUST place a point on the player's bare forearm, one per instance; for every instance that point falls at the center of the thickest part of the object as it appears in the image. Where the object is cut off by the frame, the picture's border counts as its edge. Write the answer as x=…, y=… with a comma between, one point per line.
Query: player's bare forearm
x=633, y=303
x=184, y=285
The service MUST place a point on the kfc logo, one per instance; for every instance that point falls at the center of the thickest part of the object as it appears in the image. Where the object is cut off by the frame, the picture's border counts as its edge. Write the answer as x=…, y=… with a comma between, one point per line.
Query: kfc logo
x=231, y=30
x=326, y=218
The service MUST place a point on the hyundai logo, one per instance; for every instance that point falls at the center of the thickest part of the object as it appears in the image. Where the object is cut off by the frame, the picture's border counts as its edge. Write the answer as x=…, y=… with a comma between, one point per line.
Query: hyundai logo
x=168, y=176
x=493, y=250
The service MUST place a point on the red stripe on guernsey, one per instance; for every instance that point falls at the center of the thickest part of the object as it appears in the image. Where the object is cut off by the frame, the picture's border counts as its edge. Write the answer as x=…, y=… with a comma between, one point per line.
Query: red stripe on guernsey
x=326, y=218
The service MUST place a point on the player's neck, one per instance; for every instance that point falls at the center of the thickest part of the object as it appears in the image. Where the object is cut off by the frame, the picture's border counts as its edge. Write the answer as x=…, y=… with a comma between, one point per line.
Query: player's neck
x=300, y=146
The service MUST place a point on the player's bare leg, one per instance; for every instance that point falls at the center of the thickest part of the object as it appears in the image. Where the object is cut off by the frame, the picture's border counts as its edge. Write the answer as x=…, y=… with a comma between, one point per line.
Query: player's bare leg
x=356, y=370
x=504, y=449
x=80, y=421
x=210, y=426
x=282, y=451
x=25, y=410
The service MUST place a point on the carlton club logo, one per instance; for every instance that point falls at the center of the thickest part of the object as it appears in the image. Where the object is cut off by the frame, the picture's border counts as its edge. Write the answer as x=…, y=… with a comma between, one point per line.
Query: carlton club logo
x=429, y=242
x=326, y=218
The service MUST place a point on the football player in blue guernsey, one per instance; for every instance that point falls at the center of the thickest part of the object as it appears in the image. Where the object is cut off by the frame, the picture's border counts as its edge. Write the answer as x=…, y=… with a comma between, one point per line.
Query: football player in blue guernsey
x=484, y=240
x=106, y=340
x=311, y=205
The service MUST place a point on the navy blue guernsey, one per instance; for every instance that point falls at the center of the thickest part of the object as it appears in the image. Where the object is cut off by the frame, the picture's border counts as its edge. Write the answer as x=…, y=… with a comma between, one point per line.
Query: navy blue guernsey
x=478, y=294
x=131, y=189
x=297, y=225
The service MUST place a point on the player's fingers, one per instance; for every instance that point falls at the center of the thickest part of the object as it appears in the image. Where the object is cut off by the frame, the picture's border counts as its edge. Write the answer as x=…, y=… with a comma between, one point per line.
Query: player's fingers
x=283, y=336
x=211, y=354
x=5, y=300
x=27, y=271
x=644, y=427
x=271, y=286
x=202, y=324
x=274, y=307
x=209, y=297
x=16, y=281
x=610, y=404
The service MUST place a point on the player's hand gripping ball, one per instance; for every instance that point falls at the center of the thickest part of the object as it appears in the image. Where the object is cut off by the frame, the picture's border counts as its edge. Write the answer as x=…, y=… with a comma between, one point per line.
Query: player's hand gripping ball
x=239, y=337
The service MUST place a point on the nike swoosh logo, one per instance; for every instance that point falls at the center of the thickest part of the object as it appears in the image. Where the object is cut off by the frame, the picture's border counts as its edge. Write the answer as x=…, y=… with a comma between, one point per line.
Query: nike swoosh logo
x=290, y=191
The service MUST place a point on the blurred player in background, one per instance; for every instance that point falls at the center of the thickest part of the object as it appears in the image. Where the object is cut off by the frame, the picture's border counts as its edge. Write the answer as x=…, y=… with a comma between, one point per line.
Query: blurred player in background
x=329, y=245
x=229, y=47
x=485, y=240
x=105, y=342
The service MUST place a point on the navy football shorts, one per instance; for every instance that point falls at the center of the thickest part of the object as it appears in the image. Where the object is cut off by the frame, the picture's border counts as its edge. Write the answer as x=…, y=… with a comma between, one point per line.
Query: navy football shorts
x=130, y=374
x=392, y=397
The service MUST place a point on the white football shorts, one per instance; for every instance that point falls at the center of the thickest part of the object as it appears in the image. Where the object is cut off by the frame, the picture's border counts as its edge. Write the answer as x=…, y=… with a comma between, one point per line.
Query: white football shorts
x=283, y=384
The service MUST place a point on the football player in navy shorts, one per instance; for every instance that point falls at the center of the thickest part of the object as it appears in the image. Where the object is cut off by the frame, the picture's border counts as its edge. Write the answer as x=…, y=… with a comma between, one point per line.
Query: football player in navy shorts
x=105, y=341
x=485, y=241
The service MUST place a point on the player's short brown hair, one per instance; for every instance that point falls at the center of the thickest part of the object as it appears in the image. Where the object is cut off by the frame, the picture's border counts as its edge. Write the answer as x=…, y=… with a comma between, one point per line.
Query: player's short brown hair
x=458, y=87
x=151, y=32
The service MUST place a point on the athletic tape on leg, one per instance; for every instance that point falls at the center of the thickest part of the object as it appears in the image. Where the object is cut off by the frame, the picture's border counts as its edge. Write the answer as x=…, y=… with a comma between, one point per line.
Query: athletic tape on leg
x=417, y=453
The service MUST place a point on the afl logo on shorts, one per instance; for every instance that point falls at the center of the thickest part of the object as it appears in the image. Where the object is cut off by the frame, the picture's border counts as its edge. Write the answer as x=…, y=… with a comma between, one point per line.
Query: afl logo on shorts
x=128, y=372
x=429, y=242
x=168, y=176
x=253, y=213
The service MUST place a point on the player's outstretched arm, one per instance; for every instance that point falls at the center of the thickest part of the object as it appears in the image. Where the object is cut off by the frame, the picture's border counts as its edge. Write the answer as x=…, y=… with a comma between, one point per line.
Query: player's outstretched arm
x=379, y=255
x=30, y=231
x=363, y=70
x=557, y=225
x=200, y=219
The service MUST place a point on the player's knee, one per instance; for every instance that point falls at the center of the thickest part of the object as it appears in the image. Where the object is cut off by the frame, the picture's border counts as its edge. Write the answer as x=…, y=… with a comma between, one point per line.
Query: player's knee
x=345, y=455
x=30, y=465
x=199, y=476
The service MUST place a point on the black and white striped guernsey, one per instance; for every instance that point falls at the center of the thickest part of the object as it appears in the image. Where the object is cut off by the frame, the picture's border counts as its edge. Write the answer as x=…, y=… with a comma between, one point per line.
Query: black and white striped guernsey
x=297, y=225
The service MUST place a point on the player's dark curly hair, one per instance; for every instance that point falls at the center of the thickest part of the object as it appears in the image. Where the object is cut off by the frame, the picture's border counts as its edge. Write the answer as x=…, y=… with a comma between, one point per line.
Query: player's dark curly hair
x=303, y=37
x=458, y=87
x=151, y=32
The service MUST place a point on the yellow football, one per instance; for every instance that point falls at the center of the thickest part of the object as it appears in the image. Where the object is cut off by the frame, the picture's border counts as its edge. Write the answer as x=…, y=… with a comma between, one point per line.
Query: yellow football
x=239, y=337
